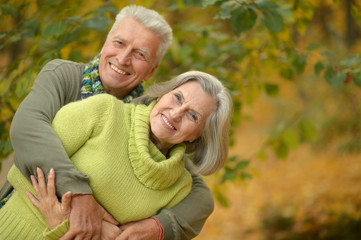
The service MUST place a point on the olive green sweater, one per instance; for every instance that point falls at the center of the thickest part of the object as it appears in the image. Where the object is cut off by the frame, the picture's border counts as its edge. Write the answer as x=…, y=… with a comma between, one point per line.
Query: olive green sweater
x=109, y=141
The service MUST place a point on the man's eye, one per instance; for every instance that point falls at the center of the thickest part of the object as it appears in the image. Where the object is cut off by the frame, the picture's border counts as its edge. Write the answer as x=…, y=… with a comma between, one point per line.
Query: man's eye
x=119, y=42
x=140, y=55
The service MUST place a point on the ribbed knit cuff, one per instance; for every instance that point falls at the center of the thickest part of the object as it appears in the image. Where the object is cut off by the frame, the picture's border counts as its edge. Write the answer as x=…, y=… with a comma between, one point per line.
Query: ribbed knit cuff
x=57, y=232
x=166, y=223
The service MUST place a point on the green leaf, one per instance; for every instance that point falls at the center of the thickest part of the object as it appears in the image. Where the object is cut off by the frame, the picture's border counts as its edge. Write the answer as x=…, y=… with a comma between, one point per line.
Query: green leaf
x=308, y=130
x=76, y=56
x=9, y=8
x=98, y=23
x=15, y=38
x=242, y=19
x=205, y=3
x=245, y=176
x=299, y=63
x=228, y=175
x=281, y=149
x=225, y=10
x=313, y=46
x=357, y=78
x=5, y=147
x=318, y=68
x=233, y=158
x=50, y=3
x=104, y=10
x=242, y=164
x=287, y=73
x=291, y=138
x=32, y=28
x=271, y=89
x=351, y=61
x=273, y=21
x=335, y=80
x=54, y=29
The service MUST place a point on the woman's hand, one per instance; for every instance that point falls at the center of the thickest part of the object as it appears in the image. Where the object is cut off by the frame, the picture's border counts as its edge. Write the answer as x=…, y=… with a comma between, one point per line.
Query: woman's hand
x=54, y=212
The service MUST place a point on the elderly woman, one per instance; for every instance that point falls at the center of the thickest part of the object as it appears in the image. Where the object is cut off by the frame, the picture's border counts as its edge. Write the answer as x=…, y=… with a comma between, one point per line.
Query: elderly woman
x=132, y=153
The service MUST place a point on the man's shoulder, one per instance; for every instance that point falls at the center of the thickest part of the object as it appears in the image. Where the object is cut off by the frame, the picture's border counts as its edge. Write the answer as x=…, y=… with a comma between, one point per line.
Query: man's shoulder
x=57, y=64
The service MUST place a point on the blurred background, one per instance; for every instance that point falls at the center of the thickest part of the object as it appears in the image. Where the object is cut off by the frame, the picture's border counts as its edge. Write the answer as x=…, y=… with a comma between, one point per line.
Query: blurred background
x=293, y=68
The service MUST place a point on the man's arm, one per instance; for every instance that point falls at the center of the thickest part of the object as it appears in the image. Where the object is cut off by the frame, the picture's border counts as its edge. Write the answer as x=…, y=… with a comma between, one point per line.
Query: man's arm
x=33, y=139
x=186, y=219
x=36, y=144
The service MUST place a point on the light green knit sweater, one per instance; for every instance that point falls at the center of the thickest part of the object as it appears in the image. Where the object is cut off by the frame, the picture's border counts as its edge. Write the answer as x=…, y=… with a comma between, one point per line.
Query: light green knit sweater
x=109, y=141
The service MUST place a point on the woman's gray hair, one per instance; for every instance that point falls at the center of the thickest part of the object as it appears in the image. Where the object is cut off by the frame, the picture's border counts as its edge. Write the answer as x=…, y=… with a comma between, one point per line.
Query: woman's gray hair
x=151, y=20
x=210, y=151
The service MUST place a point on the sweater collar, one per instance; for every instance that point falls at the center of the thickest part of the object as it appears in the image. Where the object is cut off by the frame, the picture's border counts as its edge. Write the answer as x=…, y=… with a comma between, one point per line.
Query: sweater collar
x=151, y=167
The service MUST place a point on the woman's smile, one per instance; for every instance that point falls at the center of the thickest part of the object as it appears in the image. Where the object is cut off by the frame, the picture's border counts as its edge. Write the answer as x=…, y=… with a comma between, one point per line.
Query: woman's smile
x=167, y=123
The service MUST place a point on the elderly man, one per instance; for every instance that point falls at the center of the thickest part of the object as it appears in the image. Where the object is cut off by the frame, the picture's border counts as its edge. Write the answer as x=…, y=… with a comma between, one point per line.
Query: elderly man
x=131, y=53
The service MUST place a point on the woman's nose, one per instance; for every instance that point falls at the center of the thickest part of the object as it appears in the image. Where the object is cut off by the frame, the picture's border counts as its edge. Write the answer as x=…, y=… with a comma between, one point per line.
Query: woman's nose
x=177, y=114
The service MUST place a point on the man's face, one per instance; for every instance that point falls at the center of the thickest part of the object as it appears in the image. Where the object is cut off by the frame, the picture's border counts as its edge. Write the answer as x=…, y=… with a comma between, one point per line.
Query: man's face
x=127, y=57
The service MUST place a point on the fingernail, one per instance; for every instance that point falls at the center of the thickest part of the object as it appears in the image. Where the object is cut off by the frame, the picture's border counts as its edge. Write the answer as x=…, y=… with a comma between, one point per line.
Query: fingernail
x=51, y=170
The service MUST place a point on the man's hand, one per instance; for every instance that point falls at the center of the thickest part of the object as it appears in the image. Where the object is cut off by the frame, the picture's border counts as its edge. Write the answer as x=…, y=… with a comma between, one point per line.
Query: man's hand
x=109, y=231
x=146, y=229
x=86, y=219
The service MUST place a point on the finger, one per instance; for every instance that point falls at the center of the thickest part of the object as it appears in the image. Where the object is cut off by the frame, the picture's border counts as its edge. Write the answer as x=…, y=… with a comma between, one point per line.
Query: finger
x=35, y=184
x=109, y=218
x=65, y=201
x=33, y=200
x=68, y=236
x=41, y=180
x=51, y=183
x=122, y=236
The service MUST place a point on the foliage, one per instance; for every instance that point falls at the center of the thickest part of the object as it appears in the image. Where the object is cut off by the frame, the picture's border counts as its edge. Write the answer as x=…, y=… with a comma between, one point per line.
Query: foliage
x=332, y=226
x=248, y=44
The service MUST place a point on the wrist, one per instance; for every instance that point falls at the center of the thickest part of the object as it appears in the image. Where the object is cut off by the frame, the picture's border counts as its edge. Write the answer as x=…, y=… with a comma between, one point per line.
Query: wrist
x=159, y=227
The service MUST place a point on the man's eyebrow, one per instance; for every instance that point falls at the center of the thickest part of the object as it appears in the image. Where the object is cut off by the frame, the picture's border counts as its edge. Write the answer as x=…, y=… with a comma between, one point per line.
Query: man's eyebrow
x=183, y=99
x=120, y=38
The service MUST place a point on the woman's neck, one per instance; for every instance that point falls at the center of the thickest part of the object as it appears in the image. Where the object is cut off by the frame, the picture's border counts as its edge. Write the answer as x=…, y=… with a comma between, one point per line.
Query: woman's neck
x=162, y=146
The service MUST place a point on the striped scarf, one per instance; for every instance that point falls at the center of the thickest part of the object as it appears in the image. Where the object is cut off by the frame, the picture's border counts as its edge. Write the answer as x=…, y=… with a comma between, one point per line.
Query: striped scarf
x=92, y=84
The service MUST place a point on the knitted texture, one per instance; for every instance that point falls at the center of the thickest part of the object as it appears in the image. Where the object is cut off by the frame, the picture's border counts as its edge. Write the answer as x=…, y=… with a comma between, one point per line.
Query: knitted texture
x=19, y=219
x=131, y=179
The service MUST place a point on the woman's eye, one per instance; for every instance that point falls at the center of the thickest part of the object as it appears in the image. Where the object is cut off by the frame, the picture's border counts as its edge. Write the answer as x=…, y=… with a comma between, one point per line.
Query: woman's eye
x=193, y=116
x=177, y=96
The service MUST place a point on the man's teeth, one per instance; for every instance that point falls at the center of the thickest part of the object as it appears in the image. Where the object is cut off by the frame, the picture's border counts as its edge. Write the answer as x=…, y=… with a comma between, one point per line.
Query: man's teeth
x=166, y=122
x=118, y=70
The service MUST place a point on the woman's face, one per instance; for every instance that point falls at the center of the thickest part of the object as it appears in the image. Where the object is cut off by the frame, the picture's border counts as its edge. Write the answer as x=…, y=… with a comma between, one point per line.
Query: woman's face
x=181, y=114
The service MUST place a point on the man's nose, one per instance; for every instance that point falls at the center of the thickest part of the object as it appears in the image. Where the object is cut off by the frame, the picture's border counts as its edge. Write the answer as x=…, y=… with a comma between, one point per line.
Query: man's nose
x=124, y=56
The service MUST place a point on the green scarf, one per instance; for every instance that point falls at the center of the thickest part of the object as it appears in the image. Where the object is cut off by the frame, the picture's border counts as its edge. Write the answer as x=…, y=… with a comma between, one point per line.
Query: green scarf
x=92, y=84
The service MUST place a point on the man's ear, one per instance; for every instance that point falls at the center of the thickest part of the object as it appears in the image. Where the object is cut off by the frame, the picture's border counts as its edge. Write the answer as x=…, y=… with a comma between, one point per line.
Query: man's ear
x=150, y=74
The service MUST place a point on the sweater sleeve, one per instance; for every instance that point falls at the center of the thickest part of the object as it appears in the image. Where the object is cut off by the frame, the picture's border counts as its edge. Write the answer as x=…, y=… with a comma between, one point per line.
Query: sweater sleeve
x=186, y=219
x=33, y=139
